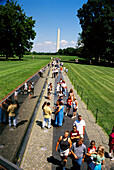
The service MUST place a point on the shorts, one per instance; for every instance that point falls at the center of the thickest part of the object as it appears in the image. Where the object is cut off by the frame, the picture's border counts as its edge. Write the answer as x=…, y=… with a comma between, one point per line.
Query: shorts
x=69, y=106
x=49, y=93
x=111, y=146
x=74, y=110
x=64, y=153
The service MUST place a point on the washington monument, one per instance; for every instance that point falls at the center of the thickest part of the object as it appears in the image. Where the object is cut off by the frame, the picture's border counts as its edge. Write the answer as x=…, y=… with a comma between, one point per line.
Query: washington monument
x=58, y=39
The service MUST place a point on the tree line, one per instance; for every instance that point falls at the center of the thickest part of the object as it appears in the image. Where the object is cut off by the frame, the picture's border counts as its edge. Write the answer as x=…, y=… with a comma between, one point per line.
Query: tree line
x=96, y=41
x=97, y=22
x=16, y=30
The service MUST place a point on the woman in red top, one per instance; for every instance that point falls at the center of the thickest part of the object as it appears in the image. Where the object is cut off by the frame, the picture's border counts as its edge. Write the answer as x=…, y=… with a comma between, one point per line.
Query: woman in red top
x=69, y=105
x=90, y=150
x=111, y=144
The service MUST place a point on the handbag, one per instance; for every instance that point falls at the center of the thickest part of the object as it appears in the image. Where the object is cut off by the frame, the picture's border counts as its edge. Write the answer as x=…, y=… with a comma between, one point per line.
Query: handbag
x=92, y=165
x=87, y=159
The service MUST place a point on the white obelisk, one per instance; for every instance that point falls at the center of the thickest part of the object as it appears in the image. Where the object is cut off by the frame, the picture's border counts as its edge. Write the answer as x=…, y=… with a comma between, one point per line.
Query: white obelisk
x=58, y=39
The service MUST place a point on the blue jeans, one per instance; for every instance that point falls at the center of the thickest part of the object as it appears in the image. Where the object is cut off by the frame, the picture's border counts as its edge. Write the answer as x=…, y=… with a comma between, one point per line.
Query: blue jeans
x=2, y=116
x=12, y=118
x=98, y=167
x=64, y=91
x=46, y=120
x=77, y=163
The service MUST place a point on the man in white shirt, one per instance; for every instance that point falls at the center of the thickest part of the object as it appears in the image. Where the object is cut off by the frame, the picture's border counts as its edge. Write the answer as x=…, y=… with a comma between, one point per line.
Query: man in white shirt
x=80, y=124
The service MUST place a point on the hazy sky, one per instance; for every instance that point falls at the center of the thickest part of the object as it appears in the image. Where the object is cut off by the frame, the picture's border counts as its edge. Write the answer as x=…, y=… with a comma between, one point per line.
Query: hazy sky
x=51, y=15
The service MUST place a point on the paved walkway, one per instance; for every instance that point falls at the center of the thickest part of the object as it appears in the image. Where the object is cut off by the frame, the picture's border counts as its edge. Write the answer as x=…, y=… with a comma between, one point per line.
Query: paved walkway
x=39, y=146
x=94, y=131
x=40, y=151
x=10, y=138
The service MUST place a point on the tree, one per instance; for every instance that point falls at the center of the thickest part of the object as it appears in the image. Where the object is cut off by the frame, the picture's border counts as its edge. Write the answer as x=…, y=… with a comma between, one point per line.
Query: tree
x=97, y=22
x=16, y=30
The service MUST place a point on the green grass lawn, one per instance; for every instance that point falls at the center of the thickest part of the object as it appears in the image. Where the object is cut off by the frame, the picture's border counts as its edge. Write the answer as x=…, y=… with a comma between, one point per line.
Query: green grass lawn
x=97, y=84
x=13, y=73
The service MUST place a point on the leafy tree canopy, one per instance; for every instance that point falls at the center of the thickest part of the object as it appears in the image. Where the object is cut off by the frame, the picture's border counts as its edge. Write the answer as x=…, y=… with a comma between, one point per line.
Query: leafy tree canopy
x=97, y=22
x=16, y=30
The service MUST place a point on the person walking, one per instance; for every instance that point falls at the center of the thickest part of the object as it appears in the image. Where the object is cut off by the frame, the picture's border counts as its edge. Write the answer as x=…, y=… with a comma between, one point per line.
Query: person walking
x=49, y=90
x=78, y=151
x=80, y=124
x=30, y=91
x=44, y=104
x=16, y=95
x=111, y=144
x=71, y=93
x=65, y=144
x=90, y=150
x=69, y=105
x=32, y=87
x=74, y=134
x=47, y=116
x=12, y=109
x=3, y=112
x=99, y=159
x=59, y=114
x=66, y=70
x=58, y=88
x=75, y=107
x=64, y=87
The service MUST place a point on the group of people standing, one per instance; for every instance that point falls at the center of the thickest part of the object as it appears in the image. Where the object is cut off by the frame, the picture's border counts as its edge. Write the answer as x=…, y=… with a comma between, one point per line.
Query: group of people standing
x=71, y=143
x=8, y=112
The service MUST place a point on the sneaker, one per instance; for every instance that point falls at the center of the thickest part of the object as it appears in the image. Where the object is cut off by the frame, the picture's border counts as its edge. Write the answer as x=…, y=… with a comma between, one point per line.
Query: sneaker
x=66, y=115
x=110, y=154
x=112, y=159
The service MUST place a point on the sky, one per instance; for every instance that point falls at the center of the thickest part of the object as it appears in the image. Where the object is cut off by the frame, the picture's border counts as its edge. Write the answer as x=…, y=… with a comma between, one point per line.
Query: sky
x=51, y=15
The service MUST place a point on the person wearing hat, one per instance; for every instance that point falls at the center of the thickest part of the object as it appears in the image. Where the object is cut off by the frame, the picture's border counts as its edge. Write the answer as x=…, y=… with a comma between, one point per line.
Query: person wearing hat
x=75, y=107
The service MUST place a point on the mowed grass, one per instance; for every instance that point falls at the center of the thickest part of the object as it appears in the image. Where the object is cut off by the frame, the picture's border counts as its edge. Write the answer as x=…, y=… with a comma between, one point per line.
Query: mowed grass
x=13, y=73
x=97, y=84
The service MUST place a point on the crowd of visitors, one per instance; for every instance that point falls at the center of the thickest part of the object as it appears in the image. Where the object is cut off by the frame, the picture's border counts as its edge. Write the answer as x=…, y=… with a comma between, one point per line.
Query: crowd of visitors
x=9, y=108
x=71, y=143
x=8, y=112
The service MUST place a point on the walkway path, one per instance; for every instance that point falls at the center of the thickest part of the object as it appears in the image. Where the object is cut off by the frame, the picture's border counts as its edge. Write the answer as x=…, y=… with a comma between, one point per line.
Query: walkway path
x=40, y=152
x=10, y=138
x=94, y=131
